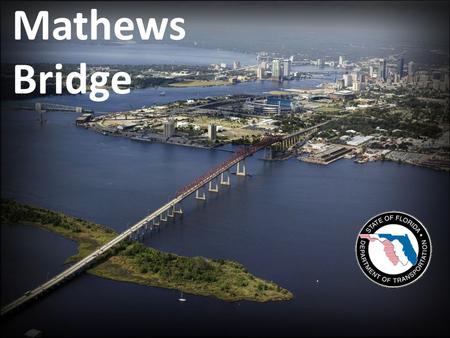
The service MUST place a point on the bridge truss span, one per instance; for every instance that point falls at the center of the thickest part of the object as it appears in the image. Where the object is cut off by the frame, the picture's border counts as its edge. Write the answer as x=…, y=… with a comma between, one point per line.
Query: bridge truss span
x=168, y=210
x=237, y=157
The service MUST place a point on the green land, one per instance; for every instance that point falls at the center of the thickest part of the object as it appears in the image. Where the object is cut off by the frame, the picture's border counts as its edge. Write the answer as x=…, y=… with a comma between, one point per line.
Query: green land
x=134, y=262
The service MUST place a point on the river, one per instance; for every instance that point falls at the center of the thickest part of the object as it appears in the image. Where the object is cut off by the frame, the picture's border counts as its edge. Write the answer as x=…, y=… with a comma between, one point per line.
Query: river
x=290, y=222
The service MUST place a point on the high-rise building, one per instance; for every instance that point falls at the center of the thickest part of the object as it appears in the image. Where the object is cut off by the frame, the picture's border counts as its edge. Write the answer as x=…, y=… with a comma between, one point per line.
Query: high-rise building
x=262, y=57
x=341, y=60
x=445, y=84
x=169, y=128
x=236, y=65
x=276, y=69
x=286, y=68
x=382, y=70
x=400, y=67
x=340, y=84
x=436, y=80
x=212, y=132
x=356, y=86
x=319, y=63
x=411, y=71
x=260, y=72
x=371, y=71
x=388, y=74
x=347, y=80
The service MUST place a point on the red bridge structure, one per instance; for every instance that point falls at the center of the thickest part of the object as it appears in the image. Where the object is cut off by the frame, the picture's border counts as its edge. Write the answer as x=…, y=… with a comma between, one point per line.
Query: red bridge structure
x=236, y=159
x=168, y=210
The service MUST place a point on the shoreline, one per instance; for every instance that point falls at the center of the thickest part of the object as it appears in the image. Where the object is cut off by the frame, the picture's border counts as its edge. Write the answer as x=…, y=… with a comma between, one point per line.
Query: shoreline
x=285, y=157
x=138, y=138
x=198, y=83
x=134, y=262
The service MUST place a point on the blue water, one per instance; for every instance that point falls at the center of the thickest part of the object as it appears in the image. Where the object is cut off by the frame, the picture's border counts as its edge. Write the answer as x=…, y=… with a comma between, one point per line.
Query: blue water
x=150, y=96
x=119, y=53
x=406, y=244
x=290, y=222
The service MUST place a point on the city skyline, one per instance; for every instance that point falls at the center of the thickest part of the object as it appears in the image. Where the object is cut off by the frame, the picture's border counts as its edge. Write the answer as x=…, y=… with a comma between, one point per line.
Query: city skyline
x=418, y=30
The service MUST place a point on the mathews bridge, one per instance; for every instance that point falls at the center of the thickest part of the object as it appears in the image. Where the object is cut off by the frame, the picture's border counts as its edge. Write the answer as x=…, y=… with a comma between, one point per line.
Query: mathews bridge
x=207, y=183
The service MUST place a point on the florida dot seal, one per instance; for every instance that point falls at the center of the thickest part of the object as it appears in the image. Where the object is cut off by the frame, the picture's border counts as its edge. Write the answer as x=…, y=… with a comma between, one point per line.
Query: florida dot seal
x=393, y=249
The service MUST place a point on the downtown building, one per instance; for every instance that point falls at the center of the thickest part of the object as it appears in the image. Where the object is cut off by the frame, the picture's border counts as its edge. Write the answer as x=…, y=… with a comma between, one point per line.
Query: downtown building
x=287, y=68
x=276, y=70
x=382, y=73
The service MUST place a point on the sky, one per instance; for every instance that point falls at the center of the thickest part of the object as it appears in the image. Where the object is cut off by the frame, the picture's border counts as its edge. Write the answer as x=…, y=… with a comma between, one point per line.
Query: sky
x=316, y=28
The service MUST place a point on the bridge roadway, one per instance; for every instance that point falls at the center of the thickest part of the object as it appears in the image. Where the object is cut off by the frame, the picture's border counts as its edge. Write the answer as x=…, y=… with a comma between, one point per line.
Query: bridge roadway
x=47, y=106
x=134, y=230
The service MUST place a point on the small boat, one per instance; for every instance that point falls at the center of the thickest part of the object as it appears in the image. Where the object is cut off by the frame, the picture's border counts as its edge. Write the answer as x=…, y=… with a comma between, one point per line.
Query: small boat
x=181, y=299
x=162, y=93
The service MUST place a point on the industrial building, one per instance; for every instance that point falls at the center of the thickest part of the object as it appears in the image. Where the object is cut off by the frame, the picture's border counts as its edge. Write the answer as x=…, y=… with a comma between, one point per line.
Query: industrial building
x=343, y=95
x=272, y=105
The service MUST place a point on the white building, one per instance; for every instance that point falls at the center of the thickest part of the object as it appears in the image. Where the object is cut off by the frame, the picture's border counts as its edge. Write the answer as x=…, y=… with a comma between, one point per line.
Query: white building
x=276, y=69
x=339, y=84
x=212, y=132
x=356, y=87
x=260, y=72
x=358, y=140
x=347, y=80
x=169, y=128
x=286, y=68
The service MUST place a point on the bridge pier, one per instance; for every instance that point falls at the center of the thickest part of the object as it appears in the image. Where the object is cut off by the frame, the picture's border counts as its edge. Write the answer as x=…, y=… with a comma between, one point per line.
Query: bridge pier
x=148, y=225
x=155, y=221
x=215, y=189
x=169, y=214
x=162, y=217
x=202, y=197
x=240, y=172
x=41, y=117
x=179, y=211
x=268, y=153
x=134, y=236
x=223, y=181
